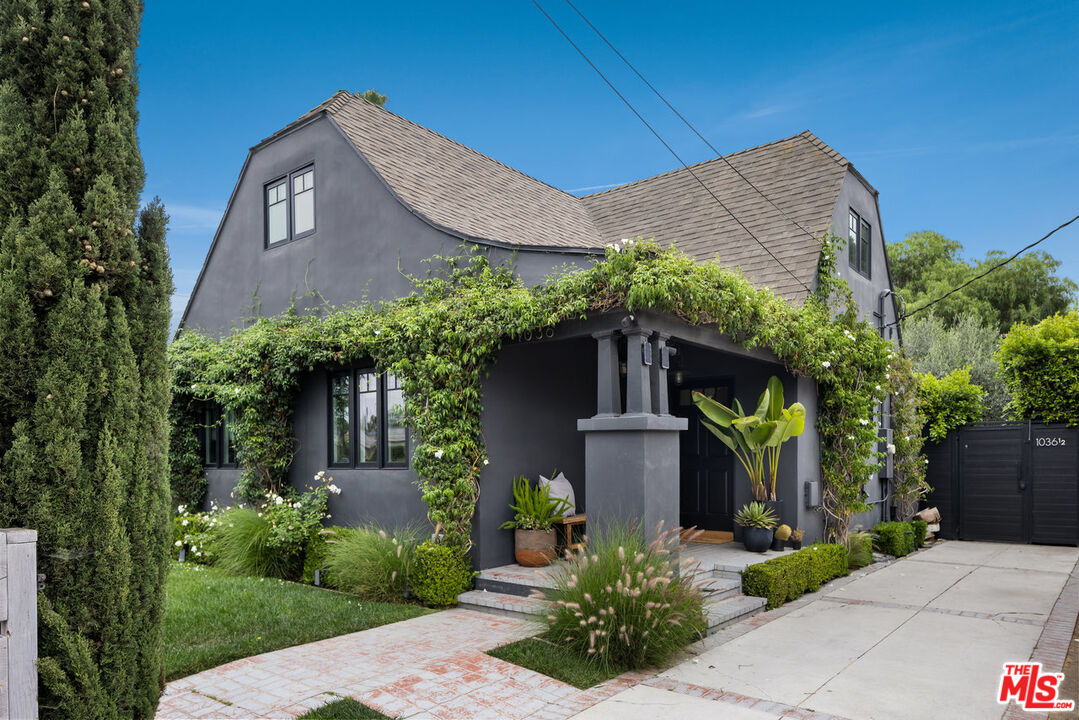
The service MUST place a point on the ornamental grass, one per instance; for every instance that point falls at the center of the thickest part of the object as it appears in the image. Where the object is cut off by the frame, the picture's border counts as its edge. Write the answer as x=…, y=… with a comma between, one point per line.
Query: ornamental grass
x=624, y=601
x=372, y=563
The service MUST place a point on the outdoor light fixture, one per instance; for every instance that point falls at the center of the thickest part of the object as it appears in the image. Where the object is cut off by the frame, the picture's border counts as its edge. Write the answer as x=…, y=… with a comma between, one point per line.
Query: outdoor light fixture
x=622, y=369
x=678, y=378
x=646, y=353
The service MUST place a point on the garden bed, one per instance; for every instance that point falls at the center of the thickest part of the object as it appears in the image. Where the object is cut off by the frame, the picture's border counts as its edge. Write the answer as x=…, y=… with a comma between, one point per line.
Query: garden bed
x=536, y=653
x=212, y=617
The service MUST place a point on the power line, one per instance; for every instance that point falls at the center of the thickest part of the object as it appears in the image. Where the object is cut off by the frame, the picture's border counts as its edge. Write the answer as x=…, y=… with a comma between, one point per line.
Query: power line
x=687, y=123
x=664, y=142
x=981, y=275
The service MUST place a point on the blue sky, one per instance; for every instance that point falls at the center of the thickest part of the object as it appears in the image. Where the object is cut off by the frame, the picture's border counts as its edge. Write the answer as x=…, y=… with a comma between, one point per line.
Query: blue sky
x=965, y=116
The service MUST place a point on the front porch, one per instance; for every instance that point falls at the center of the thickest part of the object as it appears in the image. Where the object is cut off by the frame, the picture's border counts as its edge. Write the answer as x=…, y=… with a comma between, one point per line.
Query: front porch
x=627, y=434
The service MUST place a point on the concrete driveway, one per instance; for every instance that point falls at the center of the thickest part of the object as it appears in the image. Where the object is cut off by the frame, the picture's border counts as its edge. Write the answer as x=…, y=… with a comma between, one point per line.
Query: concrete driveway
x=925, y=636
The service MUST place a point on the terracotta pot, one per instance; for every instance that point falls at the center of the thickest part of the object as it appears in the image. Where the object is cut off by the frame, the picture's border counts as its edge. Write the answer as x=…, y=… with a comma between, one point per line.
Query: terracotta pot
x=756, y=539
x=534, y=548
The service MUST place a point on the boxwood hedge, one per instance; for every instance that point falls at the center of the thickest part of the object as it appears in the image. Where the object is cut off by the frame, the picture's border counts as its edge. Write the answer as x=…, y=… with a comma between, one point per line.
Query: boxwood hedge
x=789, y=576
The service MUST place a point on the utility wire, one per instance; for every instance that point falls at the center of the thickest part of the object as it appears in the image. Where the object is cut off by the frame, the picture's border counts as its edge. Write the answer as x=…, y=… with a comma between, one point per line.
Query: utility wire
x=981, y=275
x=664, y=142
x=686, y=122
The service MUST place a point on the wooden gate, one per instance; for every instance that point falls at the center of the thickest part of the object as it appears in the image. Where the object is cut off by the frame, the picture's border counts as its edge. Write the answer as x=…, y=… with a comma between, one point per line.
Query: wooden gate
x=18, y=624
x=1007, y=482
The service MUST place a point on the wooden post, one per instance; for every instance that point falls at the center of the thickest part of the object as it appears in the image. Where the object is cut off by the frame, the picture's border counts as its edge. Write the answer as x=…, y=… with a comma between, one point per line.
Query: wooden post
x=18, y=624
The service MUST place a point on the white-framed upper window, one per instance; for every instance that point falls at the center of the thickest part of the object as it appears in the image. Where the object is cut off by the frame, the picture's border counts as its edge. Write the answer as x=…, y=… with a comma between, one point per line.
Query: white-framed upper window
x=860, y=244
x=290, y=206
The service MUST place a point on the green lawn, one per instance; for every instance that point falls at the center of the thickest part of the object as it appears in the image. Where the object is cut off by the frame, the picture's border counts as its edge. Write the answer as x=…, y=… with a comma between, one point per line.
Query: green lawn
x=345, y=709
x=537, y=654
x=212, y=617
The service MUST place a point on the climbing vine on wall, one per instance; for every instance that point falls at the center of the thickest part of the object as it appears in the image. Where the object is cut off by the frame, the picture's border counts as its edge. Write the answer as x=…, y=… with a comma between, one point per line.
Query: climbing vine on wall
x=441, y=339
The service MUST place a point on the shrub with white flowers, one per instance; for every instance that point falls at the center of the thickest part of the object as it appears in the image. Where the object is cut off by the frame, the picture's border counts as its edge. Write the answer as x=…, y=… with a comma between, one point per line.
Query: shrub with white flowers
x=194, y=530
x=625, y=602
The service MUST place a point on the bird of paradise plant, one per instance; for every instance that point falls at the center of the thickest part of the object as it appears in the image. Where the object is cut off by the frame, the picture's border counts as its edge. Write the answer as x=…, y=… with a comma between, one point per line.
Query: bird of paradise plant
x=755, y=439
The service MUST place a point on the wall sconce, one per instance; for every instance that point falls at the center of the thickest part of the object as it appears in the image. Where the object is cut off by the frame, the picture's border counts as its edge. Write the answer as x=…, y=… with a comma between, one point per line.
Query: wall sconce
x=678, y=377
x=623, y=370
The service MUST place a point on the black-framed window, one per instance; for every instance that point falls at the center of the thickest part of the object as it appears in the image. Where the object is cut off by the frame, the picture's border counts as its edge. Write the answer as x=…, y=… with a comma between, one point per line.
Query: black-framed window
x=290, y=206
x=859, y=244
x=367, y=422
x=217, y=443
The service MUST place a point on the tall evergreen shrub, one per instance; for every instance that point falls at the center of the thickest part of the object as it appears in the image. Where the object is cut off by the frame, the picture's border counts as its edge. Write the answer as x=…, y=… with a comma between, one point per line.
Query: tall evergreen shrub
x=84, y=387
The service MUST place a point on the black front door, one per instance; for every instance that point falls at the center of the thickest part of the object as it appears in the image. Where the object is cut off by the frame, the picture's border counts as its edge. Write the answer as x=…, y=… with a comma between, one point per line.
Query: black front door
x=707, y=465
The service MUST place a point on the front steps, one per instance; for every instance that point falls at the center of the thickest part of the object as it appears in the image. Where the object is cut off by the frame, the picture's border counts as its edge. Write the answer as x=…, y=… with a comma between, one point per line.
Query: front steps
x=505, y=591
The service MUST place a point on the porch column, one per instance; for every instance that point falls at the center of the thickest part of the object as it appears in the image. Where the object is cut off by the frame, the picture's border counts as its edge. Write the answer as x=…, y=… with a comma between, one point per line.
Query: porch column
x=631, y=458
x=608, y=394
x=638, y=360
x=661, y=362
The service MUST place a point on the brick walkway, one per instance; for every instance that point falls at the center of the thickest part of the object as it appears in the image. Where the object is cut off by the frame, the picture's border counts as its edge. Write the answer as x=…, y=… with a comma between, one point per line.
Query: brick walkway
x=433, y=666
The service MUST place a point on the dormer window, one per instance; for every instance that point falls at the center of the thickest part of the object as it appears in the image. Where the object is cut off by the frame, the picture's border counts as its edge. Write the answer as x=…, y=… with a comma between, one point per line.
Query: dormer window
x=290, y=206
x=859, y=244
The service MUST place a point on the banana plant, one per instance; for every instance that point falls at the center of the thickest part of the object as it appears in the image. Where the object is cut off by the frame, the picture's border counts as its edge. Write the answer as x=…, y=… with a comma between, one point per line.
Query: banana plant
x=755, y=439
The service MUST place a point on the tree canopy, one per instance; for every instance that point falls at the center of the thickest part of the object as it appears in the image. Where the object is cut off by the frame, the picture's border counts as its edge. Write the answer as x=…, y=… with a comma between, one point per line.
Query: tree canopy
x=926, y=265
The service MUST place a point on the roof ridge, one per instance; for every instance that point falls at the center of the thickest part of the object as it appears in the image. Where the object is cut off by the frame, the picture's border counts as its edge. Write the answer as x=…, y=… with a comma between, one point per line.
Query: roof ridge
x=357, y=96
x=805, y=134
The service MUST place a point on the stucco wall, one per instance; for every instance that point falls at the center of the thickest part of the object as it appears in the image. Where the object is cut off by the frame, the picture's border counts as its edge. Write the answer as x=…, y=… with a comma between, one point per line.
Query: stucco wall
x=532, y=400
x=364, y=243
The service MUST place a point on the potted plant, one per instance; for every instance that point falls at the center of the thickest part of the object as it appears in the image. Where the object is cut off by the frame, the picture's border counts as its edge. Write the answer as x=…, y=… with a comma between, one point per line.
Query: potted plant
x=796, y=538
x=532, y=524
x=755, y=439
x=757, y=522
x=782, y=533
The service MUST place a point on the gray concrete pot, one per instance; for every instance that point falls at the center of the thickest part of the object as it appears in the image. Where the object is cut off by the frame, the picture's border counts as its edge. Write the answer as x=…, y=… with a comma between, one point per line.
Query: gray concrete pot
x=534, y=548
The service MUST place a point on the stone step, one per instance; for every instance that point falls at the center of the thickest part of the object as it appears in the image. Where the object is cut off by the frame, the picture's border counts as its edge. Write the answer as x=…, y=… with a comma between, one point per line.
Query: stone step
x=514, y=579
x=721, y=588
x=728, y=611
x=501, y=603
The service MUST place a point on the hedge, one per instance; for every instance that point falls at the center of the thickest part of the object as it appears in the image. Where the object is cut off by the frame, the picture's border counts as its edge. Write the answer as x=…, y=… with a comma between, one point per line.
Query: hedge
x=1039, y=365
x=439, y=574
x=896, y=538
x=790, y=576
x=920, y=528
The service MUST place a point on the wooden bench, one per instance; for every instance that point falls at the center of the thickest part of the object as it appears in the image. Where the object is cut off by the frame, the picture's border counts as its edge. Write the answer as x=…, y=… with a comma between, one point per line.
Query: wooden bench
x=568, y=523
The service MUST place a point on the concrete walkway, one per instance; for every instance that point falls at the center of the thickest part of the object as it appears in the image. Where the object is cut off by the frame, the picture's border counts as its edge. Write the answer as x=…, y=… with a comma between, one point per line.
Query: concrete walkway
x=925, y=636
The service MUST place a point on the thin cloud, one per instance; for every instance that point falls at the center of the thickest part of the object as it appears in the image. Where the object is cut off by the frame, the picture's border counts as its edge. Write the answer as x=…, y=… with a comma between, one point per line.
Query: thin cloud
x=592, y=188
x=763, y=112
x=193, y=218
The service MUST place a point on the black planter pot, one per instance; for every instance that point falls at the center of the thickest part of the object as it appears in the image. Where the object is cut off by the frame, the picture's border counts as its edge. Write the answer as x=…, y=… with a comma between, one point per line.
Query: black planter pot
x=756, y=539
x=776, y=506
x=777, y=544
x=796, y=544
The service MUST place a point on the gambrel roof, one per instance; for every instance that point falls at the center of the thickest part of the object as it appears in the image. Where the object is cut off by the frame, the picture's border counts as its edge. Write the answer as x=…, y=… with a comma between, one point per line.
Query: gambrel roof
x=472, y=195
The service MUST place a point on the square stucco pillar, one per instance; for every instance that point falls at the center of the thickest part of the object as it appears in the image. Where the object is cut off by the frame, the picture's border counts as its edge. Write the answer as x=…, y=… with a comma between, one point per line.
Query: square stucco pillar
x=631, y=458
x=631, y=469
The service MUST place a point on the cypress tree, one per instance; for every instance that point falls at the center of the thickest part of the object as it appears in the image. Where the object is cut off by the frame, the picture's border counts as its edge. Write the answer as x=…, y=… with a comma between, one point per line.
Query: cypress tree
x=84, y=387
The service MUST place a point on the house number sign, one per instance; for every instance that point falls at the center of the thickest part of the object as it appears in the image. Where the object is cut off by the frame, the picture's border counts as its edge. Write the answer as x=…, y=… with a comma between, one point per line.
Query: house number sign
x=1050, y=441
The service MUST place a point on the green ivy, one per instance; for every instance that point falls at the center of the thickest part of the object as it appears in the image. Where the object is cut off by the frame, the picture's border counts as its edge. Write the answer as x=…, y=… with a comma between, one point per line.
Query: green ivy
x=1039, y=365
x=442, y=339
x=907, y=438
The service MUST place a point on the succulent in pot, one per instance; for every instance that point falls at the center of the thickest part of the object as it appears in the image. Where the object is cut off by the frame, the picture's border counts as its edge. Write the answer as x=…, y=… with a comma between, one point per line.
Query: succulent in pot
x=796, y=538
x=535, y=513
x=757, y=522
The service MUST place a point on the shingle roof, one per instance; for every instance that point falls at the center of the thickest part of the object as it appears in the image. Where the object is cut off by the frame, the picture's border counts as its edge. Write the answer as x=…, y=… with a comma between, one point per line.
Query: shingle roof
x=800, y=175
x=474, y=195
x=459, y=188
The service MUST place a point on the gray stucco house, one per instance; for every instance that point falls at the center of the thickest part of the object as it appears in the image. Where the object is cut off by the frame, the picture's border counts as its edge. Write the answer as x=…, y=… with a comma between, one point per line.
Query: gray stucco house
x=351, y=197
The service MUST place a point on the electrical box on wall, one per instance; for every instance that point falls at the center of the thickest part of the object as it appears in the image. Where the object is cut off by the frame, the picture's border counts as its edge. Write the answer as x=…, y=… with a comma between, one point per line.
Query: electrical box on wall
x=812, y=494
